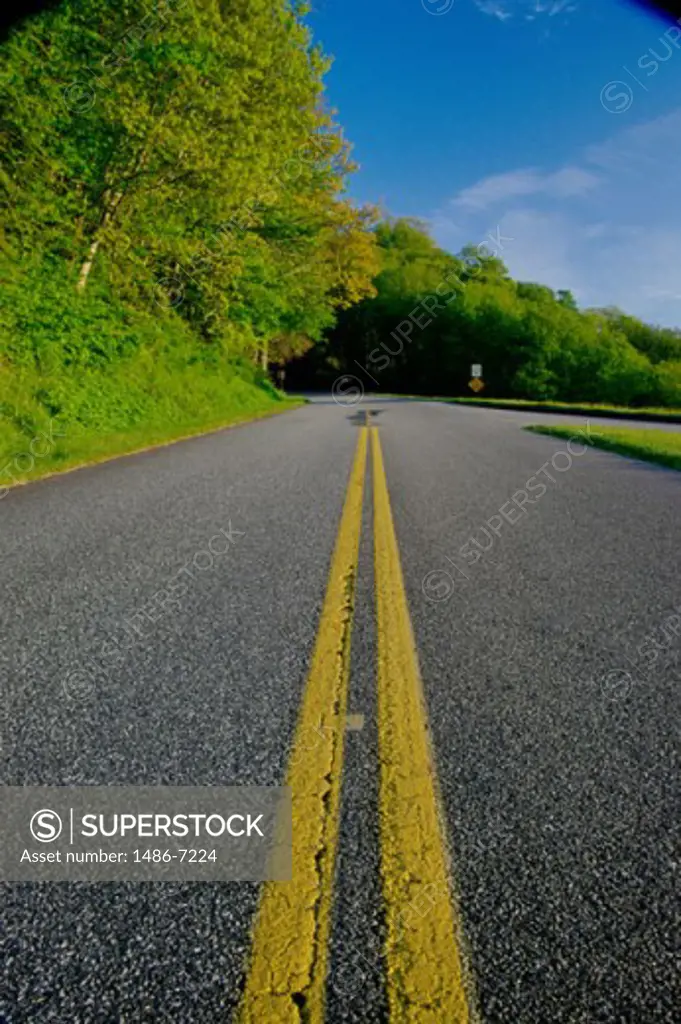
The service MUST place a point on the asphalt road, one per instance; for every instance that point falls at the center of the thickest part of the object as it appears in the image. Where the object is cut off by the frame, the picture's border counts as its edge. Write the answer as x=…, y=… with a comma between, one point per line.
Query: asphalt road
x=549, y=654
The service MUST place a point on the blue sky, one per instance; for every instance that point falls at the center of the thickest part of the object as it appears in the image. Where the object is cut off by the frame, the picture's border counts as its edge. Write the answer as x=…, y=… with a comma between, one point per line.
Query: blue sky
x=554, y=125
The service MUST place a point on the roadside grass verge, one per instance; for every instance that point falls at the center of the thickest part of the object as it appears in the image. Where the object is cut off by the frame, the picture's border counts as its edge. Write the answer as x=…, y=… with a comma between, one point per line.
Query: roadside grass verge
x=36, y=444
x=613, y=411
x=660, y=446
x=88, y=378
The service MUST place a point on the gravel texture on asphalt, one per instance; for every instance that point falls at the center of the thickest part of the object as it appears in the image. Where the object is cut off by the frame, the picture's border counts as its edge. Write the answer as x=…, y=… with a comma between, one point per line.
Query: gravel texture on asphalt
x=549, y=673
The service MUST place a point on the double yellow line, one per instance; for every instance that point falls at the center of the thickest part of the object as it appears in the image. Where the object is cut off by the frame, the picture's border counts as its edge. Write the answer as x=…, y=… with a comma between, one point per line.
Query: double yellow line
x=287, y=973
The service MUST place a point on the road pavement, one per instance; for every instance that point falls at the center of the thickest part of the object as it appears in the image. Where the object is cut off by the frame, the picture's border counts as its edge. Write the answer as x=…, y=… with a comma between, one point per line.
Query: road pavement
x=160, y=614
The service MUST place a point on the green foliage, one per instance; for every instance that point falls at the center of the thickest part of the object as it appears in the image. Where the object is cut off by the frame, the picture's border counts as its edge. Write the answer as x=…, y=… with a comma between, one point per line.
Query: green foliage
x=174, y=216
x=668, y=382
x=172, y=189
x=435, y=314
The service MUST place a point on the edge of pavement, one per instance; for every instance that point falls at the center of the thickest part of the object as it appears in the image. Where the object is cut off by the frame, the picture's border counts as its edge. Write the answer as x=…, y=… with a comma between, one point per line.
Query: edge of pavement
x=288, y=406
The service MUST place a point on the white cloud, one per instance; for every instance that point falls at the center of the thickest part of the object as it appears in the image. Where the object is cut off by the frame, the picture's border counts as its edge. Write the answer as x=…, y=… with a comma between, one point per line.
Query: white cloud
x=497, y=10
x=637, y=150
x=607, y=226
x=543, y=249
x=662, y=293
x=568, y=181
x=530, y=9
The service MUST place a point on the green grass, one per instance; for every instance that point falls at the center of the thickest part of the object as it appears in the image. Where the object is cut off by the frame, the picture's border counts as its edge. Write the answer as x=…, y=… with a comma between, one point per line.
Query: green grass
x=588, y=409
x=615, y=411
x=661, y=446
x=114, y=414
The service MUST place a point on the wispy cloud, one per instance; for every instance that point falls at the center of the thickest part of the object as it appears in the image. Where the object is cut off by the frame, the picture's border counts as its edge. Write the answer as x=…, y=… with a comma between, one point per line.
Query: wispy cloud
x=495, y=9
x=607, y=226
x=499, y=188
x=529, y=9
x=637, y=150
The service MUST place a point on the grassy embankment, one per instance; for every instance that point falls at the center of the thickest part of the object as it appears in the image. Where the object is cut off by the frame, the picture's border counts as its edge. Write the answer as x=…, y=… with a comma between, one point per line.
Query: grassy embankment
x=614, y=411
x=51, y=425
x=660, y=446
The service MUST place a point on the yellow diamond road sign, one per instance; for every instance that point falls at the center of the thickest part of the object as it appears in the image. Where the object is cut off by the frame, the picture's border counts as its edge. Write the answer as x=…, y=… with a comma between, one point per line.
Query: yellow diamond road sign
x=476, y=384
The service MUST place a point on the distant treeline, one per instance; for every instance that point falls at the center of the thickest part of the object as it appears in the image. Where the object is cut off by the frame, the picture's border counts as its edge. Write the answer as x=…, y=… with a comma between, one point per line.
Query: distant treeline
x=435, y=314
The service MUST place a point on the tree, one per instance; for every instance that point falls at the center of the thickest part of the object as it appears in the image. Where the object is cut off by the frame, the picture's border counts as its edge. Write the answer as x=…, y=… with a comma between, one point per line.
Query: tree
x=183, y=156
x=435, y=313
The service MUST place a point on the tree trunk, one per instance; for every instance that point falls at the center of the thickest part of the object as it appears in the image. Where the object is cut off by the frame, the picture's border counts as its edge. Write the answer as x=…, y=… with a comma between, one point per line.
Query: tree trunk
x=264, y=356
x=111, y=202
x=109, y=211
x=87, y=265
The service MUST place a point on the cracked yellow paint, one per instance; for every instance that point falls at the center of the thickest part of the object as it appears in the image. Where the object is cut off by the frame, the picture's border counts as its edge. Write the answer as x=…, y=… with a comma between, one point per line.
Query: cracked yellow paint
x=289, y=952
x=424, y=972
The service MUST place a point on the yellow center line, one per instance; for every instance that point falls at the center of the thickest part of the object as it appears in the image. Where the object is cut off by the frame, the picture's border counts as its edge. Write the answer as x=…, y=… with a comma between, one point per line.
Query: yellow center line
x=424, y=972
x=289, y=952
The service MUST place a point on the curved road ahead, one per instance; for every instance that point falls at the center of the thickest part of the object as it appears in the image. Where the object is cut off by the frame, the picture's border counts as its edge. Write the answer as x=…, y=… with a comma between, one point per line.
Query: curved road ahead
x=496, y=831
